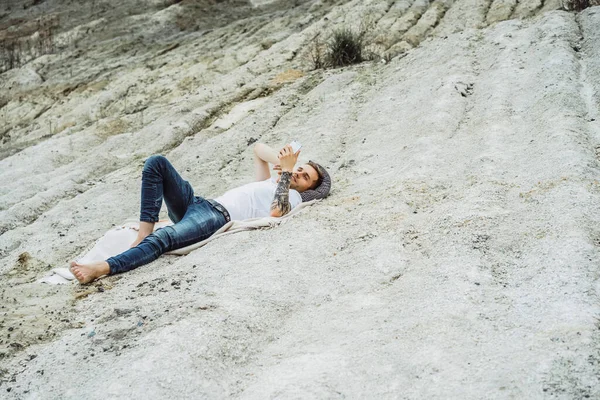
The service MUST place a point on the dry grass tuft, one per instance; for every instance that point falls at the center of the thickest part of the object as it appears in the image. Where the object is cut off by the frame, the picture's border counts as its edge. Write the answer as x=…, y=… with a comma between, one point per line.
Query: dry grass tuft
x=114, y=127
x=287, y=76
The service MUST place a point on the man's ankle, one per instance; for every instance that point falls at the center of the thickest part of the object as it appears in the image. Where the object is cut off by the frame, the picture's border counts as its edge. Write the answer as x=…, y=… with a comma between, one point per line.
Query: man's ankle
x=105, y=268
x=146, y=228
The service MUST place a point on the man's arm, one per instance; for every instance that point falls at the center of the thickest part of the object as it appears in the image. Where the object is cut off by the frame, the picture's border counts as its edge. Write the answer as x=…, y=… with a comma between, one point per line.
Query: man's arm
x=281, y=201
x=263, y=155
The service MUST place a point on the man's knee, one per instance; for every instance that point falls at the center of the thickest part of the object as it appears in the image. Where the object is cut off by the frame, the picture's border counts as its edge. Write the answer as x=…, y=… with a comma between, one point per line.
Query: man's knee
x=165, y=237
x=154, y=162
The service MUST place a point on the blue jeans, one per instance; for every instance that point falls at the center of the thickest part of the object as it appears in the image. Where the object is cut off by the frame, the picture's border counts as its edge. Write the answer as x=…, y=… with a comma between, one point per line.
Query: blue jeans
x=194, y=217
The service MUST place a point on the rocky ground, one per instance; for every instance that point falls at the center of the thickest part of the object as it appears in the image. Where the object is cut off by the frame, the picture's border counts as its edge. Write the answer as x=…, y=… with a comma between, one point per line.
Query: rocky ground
x=458, y=253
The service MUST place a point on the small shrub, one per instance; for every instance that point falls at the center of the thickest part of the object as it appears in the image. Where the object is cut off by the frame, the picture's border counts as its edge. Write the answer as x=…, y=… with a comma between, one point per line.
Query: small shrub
x=579, y=5
x=344, y=48
x=317, y=58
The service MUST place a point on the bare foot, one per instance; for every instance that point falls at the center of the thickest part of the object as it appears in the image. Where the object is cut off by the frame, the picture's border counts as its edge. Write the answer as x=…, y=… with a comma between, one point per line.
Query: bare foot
x=85, y=273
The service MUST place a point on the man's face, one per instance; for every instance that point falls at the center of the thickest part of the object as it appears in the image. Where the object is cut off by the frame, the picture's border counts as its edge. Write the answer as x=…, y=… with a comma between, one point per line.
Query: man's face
x=303, y=178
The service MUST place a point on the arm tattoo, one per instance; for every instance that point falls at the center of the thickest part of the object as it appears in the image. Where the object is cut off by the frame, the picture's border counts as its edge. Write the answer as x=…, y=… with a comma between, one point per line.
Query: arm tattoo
x=281, y=200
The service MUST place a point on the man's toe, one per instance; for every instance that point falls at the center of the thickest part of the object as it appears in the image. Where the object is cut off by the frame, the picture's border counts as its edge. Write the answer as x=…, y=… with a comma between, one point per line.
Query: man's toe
x=77, y=273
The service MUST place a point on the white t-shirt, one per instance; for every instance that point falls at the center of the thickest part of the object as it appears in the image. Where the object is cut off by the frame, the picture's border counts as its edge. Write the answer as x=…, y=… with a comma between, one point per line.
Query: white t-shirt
x=253, y=200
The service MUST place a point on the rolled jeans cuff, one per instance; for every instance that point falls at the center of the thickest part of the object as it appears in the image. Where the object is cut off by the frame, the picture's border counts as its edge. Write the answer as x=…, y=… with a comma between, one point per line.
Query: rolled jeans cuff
x=145, y=218
x=111, y=265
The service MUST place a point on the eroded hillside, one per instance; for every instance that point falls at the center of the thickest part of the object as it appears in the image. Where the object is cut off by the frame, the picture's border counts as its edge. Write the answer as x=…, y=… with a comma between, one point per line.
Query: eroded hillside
x=457, y=256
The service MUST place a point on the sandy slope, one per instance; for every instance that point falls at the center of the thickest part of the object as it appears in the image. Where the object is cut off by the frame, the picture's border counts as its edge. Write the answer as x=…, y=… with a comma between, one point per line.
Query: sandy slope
x=456, y=258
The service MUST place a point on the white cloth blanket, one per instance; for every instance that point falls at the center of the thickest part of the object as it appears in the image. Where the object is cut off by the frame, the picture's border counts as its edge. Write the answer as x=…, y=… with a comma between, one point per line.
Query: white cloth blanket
x=118, y=239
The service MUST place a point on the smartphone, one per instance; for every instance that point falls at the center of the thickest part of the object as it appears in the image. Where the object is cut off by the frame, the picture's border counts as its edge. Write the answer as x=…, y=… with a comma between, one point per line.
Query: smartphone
x=295, y=146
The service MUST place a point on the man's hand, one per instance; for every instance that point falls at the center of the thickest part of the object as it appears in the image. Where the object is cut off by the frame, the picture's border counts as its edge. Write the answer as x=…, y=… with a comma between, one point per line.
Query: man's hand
x=287, y=158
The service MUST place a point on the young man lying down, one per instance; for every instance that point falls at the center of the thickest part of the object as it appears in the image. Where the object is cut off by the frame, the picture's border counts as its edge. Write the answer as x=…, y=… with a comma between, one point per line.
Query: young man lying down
x=196, y=218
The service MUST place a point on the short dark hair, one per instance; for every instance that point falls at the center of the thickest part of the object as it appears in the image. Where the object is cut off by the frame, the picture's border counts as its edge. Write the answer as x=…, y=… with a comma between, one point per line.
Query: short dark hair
x=320, y=172
x=323, y=184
